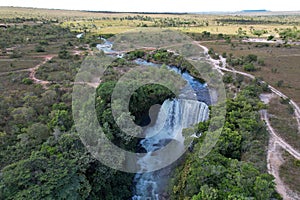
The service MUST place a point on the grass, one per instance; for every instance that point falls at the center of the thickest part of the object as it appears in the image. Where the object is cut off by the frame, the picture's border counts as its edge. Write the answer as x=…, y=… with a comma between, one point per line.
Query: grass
x=58, y=70
x=283, y=121
x=7, y=65
x=12, y=84
x=281, y=63
x=290, y=172
x=110, y=26
x=231, y=29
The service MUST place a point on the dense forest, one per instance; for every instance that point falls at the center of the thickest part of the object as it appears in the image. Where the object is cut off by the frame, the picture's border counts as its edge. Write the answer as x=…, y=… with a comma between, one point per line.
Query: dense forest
x=236, y=168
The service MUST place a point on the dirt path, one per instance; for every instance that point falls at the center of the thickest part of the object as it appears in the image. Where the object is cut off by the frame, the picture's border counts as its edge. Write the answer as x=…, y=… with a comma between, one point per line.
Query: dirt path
x=274, y=90
x=274, y=159
x=32, y=73
x=34, y=70
x=278, y=139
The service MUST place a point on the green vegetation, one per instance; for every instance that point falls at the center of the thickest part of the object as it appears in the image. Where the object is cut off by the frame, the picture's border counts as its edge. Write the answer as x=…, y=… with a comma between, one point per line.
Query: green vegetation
x=236, y=167
x=42, y=156
x=62, y=169
x=290, y=34
x=276, y=64
x=249, y=67
x=59, y=70
x=290, y=171
x=283, y=121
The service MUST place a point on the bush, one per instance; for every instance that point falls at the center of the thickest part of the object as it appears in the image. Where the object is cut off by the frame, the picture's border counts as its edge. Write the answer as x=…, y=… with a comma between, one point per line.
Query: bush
x=227, y=78
x=16, y=54
x=39, y=49
x=64, y=54
x=284, y=101
x=224, y=55
x=27, y=81
x=249, y=67
x=270, y=37
x=279, y=83
x=44, y=42
x=261, y=62
x=251, y=58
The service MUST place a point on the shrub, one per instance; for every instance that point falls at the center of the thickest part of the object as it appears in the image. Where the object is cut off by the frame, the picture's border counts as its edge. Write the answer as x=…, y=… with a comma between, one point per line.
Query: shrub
x=279, y=83
x=27, y=81
x=261, y=62
x=16, y=54
x=249, y=67
x=251, y=58
x=39, y=49
x=64, y=54
x=270, y=37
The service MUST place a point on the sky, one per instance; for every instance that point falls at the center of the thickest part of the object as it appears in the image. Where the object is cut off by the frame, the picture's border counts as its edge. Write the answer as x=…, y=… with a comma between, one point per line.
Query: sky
x=159, y=5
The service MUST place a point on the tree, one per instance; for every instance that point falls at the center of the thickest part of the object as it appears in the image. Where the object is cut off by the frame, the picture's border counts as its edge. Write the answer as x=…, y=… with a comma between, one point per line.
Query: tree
x=263, y=187
x=230, y=143
x=23, y=115
x=206, y=193
x=241, y=33
x=38, y=131
x=61, y=119
x=63, y=169
x=49, y=97
x=47, y=174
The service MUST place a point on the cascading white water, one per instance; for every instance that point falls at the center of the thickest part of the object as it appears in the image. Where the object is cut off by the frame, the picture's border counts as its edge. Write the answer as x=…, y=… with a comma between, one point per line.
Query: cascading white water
x=173, y=117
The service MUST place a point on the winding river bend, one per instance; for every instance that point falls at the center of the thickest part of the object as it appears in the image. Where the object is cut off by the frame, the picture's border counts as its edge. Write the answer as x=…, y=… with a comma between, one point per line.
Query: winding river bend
x=189, y=108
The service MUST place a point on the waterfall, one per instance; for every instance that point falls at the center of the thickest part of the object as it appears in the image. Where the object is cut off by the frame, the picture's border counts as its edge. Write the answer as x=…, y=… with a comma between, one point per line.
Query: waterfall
x=173, y=117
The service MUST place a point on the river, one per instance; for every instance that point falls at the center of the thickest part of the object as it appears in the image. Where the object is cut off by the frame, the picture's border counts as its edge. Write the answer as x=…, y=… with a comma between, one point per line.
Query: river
x=189, y=108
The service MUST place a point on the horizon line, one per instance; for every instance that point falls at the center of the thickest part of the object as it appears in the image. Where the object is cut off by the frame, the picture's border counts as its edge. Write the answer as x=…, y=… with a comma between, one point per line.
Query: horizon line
x=166, y=12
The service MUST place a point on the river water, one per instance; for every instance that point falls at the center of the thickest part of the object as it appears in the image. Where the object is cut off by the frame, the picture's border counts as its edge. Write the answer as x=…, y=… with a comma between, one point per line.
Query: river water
x=188, y=109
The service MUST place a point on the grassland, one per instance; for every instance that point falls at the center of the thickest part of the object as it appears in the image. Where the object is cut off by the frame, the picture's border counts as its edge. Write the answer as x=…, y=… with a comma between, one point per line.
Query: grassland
x=280, y=63
x=290, y=172
x=283, y=121
x=113, y=23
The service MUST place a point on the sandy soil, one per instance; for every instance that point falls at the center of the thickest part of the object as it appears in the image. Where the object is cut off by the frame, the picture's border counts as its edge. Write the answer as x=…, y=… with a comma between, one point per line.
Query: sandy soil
x=274, y=158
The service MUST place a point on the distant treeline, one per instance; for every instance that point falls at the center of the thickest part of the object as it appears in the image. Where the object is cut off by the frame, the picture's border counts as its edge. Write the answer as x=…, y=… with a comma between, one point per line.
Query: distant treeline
x=149, y=13
x=254, y=21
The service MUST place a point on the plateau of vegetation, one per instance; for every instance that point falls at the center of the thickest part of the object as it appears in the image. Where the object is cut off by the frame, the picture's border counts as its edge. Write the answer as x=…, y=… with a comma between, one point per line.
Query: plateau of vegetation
x=41, y=154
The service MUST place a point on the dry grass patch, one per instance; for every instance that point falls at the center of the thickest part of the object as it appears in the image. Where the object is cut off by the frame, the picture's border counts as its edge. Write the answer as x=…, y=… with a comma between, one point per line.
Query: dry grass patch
x=283, y=121
x=281, y=63
x=290, y=172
